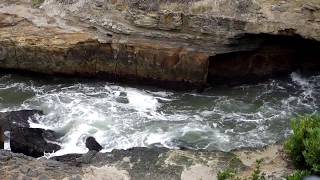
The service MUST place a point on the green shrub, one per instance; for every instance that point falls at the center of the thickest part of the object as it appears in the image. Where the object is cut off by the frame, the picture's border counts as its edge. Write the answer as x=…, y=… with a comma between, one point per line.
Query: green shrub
x=312, y=149
x=299, y=175
x=303, y=146
x=226, y=174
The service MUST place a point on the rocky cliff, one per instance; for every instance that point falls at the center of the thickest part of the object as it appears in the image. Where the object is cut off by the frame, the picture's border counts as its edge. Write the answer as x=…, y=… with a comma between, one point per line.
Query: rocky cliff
x=169, y=42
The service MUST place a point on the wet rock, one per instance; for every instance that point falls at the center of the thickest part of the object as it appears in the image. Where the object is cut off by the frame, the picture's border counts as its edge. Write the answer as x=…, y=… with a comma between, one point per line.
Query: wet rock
x=12, y=119
x=1, y=137
x=32, y=142
x=93, y=145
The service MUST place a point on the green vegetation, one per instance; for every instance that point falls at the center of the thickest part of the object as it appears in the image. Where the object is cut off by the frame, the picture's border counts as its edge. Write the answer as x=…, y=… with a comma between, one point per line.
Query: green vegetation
x=230, y=174
x=257, y=174
x=226, y=174
x=303, y=146
x=299, y=175
x=37, y=3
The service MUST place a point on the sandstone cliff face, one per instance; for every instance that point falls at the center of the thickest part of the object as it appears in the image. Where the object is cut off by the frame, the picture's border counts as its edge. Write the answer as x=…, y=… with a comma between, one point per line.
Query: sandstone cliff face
x=177, y=41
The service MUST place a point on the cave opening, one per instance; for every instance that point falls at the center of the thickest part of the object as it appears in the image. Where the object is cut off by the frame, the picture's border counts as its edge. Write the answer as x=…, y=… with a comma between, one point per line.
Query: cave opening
x=255, y=58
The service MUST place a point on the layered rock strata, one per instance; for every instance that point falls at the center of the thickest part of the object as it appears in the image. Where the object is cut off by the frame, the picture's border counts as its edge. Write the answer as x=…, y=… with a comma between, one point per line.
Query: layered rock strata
x=168, y=42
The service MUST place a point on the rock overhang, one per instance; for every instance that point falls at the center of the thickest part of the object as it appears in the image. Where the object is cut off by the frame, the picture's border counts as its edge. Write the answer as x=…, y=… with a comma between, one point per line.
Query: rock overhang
x=158, y=42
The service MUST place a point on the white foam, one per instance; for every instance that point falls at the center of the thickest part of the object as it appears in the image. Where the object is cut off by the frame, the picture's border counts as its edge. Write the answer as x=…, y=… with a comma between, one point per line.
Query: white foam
x=297, y=78
x=123, y=117
x=142, y=101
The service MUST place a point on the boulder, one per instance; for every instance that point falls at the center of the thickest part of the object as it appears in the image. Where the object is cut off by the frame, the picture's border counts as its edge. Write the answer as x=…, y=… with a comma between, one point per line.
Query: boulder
x=23, y=139
x=92, y=144
x=12, y=119
x=33, y=142
x=1, y=138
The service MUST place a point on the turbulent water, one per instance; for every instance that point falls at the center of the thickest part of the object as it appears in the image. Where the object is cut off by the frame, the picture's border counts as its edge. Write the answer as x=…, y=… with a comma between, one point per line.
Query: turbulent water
x=121, y=117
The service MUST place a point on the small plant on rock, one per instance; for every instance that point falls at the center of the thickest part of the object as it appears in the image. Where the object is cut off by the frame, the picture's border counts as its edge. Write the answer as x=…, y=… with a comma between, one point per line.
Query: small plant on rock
x=257, y=174
x=226, y=174
x=230, y=174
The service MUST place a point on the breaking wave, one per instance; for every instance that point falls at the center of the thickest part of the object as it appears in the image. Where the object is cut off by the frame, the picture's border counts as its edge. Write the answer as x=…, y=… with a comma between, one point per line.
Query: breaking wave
x=121, y=117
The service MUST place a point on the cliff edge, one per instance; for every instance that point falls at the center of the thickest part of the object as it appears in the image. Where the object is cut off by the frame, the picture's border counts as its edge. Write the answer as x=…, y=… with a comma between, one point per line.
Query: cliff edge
x=163, y=42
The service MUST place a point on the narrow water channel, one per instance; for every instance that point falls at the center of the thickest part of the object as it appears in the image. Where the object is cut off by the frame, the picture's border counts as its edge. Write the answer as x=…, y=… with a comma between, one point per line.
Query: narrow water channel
x=121, y=117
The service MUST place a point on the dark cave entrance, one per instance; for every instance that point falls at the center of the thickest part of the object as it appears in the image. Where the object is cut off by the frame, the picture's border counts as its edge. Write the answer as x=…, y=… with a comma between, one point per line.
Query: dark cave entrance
x=264, y=56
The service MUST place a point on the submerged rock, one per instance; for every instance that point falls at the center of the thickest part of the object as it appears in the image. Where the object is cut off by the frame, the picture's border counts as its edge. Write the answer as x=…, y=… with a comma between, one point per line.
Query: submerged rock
x=92, y=144
x=33, y=142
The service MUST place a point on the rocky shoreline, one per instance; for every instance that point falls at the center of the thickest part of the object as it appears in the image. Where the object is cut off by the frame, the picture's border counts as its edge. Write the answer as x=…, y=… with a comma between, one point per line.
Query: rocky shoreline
x=190, y=43
x=144, y=163
x=164, y=43
x=136, y=163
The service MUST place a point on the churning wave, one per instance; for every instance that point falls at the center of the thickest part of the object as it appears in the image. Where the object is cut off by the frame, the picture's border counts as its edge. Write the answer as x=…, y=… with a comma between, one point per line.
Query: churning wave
x=121, y=117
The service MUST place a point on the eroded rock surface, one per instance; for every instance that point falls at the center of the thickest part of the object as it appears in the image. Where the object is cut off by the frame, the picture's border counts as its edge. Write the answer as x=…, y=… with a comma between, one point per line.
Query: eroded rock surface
x=146, y=163
x=165, y=42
